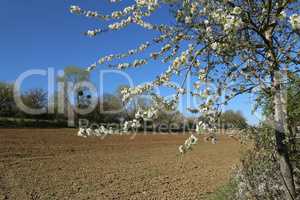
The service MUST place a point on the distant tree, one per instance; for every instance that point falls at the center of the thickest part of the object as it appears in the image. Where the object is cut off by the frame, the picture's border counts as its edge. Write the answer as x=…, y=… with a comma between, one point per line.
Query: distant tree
x=56, y=115
x=232, y=119
x=72, y=76
x=35, y=99
x=7, y=104
x=173, y=120
x=112, y=108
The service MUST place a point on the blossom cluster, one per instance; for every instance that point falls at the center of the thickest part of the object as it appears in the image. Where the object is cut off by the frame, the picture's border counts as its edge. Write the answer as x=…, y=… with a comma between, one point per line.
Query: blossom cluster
x=150, y=4
x=295, y=21
x=148, y=114
x=128, y=93
x=114, y=15
x=142, y=47
x=189, y=142
x=207, y=126
x=132, y=14
x=93, y=33
x=133, y=124
x=86, y=132
x=135, y=63
x=231, y=21
x=199, y=127
x=188, y=12
x=121, y=24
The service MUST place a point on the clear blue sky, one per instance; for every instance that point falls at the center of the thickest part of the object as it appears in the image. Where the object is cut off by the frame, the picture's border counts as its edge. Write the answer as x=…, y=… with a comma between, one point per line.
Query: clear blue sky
x=38, y=34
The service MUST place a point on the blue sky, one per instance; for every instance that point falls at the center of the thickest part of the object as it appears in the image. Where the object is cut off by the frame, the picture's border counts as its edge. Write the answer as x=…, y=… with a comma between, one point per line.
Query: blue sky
x=41, y=34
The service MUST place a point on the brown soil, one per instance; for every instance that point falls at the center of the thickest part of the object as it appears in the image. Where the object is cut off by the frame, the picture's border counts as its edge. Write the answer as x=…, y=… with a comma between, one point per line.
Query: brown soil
x=56, y=164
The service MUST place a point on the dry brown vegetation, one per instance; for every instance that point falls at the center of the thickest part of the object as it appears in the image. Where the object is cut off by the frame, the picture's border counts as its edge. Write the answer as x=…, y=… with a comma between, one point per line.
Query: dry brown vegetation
x=56, y=164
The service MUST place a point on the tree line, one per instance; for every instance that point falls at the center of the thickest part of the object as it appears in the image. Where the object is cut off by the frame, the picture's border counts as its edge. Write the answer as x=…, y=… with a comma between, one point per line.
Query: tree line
x=109, y=107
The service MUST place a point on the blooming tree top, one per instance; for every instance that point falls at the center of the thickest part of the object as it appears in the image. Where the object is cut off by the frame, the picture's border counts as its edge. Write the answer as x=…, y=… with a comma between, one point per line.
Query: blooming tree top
x=227, y=45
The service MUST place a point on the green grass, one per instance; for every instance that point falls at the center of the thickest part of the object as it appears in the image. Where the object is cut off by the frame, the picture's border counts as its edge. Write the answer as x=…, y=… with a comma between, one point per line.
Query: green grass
x=225, y=192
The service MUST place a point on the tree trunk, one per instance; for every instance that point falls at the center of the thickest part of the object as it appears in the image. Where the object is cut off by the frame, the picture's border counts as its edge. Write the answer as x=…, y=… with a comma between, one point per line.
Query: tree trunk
x=282, y=149
x=76, y=110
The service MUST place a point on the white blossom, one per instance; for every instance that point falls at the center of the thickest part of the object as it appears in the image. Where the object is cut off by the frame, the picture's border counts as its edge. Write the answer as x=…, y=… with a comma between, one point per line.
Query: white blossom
x=214, y=140
x=181, y=149
x=92, y=67
x=148, y=3
x=188, y=20
x=75, y=9
x=189, y=142
x=282, y=14
x=81, y=133
x=295, y=21
x=237, y=11
x=194, y=8
x=121, y=24
x=214, y=46
x=91, y=33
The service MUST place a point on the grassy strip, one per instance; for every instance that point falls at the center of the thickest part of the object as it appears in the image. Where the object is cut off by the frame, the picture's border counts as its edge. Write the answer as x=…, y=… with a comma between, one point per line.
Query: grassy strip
x=225, y=192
